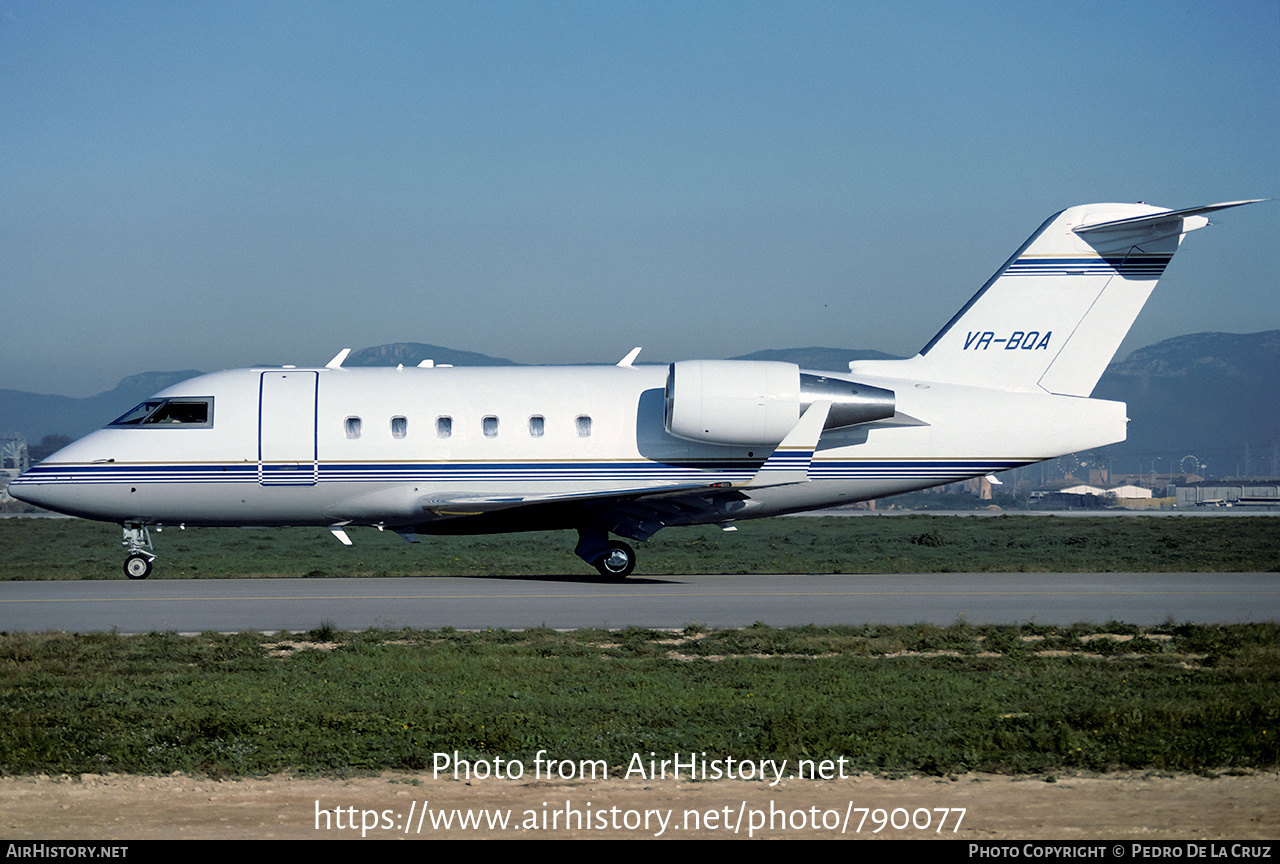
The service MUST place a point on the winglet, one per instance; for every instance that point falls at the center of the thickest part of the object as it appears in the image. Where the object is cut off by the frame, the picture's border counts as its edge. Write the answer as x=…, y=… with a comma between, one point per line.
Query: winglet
x=338, y=359
x=630, y=358
x=790, y=462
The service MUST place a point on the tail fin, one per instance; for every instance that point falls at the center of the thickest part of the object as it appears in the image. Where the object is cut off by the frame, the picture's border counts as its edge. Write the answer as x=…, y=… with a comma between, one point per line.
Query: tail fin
x=1053, y=316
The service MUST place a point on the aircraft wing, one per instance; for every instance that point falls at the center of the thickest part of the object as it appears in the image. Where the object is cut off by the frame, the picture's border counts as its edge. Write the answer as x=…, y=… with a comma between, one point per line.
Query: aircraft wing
x=468, y=504
x=637, y=512
x=642, y=516
x=406, y=505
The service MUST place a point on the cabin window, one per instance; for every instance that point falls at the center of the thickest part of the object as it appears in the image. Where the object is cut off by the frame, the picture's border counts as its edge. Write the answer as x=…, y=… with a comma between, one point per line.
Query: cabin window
x=537, y=425
x=490, y=426
x=399, y=427
x=166, y=413
x=584, y=426
x=444, y=427
x=352, y=427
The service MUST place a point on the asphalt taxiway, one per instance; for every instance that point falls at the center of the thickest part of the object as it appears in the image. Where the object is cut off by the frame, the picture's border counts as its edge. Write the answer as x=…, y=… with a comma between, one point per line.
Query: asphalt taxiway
x=571, y=602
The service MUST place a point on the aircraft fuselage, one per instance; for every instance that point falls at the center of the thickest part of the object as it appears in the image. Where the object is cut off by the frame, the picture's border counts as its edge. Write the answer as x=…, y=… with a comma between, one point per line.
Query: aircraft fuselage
x=367, y=446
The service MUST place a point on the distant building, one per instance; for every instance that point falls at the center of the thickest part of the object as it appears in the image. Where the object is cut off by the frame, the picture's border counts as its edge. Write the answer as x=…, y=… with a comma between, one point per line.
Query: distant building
x=1158, y=482
x=1066, y=487
x=1129, y=491
x=1235, y=492
x=1067, y=494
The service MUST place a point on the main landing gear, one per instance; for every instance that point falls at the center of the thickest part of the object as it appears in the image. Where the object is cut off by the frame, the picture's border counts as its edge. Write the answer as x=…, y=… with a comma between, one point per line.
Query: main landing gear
x=137, y=539
x=618, y=562
x=613, y=559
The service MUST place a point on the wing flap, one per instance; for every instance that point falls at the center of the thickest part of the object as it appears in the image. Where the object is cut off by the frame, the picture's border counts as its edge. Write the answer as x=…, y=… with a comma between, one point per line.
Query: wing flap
x=481, y=503
x=406, y=505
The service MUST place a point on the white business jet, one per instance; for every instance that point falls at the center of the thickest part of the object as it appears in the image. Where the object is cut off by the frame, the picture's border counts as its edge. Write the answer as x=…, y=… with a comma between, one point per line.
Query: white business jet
x=627, y=449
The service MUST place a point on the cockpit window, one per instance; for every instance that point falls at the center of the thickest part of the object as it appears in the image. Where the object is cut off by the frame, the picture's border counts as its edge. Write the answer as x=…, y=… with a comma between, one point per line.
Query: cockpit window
x=184, y=411
x=136, y=415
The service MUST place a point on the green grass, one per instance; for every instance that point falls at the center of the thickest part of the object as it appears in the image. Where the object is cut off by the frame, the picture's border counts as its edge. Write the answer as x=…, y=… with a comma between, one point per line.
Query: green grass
x=888, y=699
x=76, y=549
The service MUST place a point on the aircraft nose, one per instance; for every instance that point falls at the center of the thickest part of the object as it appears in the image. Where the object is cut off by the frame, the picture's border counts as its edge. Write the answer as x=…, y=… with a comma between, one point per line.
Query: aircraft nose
x=45, y=487
x=62, y=481
x=27, y=491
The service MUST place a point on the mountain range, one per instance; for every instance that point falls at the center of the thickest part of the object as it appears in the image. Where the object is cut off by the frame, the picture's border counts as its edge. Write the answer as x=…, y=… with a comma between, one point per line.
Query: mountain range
x=1209, y=395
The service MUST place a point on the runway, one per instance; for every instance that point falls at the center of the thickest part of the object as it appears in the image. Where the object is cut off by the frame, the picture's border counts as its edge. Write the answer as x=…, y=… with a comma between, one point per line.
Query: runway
x=469, y=603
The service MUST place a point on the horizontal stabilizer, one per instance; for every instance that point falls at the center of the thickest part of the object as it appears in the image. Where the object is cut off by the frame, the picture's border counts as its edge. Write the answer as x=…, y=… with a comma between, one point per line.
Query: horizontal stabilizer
x=1160, y=218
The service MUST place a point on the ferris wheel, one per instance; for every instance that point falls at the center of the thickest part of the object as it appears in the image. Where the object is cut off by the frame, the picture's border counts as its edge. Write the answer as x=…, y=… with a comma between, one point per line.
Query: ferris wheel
x=13, y=453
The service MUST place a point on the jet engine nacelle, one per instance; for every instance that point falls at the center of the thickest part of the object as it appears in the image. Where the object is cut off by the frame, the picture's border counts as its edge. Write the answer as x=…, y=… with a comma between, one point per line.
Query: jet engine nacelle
x=758, y=402
x=732, y=401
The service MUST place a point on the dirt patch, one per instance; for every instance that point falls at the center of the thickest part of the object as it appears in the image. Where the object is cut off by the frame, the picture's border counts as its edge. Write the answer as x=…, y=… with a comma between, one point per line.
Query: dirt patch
x=1142, y=807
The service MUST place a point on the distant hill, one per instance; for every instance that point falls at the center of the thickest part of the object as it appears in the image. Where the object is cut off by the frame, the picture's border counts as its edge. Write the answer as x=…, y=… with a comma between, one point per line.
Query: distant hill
x=413, y=353
x=1206, y=394
x=35, y=415
x=822, y=359
x=1203, y=394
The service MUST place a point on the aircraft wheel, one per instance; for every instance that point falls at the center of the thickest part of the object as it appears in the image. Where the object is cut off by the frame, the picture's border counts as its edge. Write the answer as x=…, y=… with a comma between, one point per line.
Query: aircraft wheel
x=618, y=562
x=137, y=566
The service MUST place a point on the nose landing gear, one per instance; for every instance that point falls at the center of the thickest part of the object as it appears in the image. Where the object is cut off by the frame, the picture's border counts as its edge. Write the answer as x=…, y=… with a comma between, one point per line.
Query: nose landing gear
x=137, y=566
x=137, y=539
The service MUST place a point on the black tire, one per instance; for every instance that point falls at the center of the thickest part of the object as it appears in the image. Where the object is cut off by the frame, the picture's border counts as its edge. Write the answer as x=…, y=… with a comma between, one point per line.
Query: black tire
x=137, y=566
x=618, y=563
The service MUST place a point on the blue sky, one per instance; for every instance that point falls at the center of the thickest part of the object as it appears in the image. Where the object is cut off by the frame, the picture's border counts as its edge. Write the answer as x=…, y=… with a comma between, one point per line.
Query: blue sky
x=216, y=184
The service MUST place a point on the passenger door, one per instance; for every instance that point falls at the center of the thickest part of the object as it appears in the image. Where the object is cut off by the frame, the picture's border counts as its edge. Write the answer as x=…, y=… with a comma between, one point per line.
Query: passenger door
x=287, y=428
